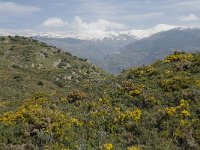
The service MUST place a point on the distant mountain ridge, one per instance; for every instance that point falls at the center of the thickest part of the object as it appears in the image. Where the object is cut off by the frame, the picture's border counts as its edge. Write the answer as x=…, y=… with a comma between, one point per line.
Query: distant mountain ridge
x=94, y=35
x=115, y=55
x=103, y=35
x=116, y=51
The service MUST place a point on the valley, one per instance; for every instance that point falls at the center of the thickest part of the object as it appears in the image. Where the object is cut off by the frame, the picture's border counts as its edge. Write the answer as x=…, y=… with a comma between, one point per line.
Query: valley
x=117, y=53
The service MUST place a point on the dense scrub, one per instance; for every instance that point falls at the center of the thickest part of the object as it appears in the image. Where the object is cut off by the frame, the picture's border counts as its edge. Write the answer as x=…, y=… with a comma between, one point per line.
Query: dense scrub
x=150, y=107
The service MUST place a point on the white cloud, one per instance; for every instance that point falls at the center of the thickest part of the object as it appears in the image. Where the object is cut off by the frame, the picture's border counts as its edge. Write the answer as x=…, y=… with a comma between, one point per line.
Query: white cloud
x=14, y=8
x=190, y=17
x=92, y=29
x=96, y=29
x=54, y=22
x=78, y=24
x=99, y=25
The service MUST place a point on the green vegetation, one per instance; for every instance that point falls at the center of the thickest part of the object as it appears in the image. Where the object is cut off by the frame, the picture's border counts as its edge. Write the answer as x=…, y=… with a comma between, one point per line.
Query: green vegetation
x=28, y=67
x=57, y=101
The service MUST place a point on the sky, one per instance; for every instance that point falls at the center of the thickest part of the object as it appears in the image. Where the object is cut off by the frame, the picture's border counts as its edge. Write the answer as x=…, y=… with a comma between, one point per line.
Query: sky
x=94, y=15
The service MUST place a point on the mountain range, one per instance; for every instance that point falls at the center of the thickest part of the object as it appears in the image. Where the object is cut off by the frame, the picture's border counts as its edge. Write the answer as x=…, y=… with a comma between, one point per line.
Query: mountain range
x=133, y=48
x=93, y=35
x=116, y=51
x=105, y=35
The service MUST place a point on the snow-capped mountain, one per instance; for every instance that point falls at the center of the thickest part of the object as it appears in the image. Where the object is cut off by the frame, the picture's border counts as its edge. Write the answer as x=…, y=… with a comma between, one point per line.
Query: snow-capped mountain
x=94, y=35
x=148, y=32
x=101, y=35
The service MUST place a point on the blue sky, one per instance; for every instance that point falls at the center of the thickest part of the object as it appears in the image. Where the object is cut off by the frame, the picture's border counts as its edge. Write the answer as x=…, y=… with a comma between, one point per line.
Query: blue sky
x=70, y=15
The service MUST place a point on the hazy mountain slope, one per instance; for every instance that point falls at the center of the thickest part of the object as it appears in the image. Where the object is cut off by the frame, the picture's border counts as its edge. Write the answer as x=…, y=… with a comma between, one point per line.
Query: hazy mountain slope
x=93, y=50
x=157, y=46
x=28, y=67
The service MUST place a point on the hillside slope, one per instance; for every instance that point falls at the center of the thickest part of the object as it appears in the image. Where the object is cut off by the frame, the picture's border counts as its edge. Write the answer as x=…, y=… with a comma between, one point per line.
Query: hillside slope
x=28, y=67
x=150, y=107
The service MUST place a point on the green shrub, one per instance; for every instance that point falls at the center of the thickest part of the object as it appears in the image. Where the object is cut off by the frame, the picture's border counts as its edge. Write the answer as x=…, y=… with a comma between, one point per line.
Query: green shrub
x=40, y=83
x=2, y=38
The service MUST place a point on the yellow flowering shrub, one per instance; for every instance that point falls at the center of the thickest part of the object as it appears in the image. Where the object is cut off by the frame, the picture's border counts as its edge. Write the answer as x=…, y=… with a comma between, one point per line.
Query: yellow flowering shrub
x=182, y=122
x=29, y=107
x=150, y=70
x=183, y=104
x=182, y=109
x=178, y=56
x=9, y=118
x=133, y=148
x=144, y=71
x=178, y=120
x=135, y=92
x=108, y=146
x=171, y=111
x=113, y=117
x=176, y=83
x=152, y=100
x=128, y=116
x=198, y=83
x=37, y=114
x=185, y=113
x=104, y=99
x=134, y=115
